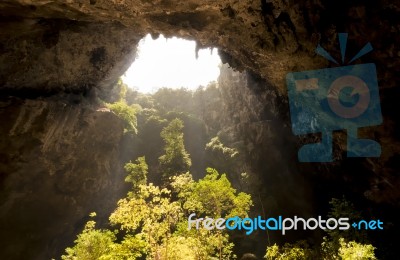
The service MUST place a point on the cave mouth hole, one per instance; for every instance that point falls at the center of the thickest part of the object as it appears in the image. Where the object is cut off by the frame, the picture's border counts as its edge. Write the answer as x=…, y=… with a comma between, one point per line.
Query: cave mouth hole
x=171, y=63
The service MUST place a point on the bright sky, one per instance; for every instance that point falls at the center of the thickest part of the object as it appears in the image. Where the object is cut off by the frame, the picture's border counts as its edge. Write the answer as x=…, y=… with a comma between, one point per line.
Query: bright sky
x=171, y=63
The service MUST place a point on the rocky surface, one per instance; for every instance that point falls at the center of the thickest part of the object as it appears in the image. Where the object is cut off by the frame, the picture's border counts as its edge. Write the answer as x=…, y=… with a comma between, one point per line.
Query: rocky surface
x=52, y=147
x=59, y=162
x=269, y=37
x=255, y=120
x=48, y=56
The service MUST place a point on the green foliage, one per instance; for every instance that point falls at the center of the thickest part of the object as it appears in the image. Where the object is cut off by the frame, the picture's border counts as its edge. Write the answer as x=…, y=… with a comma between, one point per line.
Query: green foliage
x=175, y=160
x=119, y=91
x=182, y=185
x=194, y=109
x=154, y=220
x=329, y=248
x=150, y=213
x=126, y=113
x=355, y=251
x=193, y=197
x=123, y=90
x=341, y=208
x=130, y=248
x=157, y=214
x=91, y=244
x=297, y=251
x=336, y=245
x=273, y=252
x=340, y=249
x=214, y=196
x=181, y=247
x=137, y=172
x=144, y=100
x=168, y=99
x=216, y=145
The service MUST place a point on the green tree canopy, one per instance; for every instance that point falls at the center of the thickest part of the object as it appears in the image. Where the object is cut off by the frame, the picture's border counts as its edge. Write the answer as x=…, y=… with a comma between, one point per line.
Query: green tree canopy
x=136, y=172
x=176, y=159
x=214, y=196
x=152, y=221
x=126, y=113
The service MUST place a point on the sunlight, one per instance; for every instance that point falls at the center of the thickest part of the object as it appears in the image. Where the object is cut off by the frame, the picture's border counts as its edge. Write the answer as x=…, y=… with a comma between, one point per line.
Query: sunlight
x=171, y=63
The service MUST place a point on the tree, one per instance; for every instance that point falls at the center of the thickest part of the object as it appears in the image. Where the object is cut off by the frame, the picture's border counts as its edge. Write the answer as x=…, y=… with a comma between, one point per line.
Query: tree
x=348, y=245
x=126, y=113
x=176, y=159
x=136, y=172
x=174, y=100
x=214, y=196
x=100, y=244
x=215, y=145
x=151, y=213
x=152, y=220
x=355, y=251
x=331, y=243
x=158, y=215
x=296, y=251
x=226, y=159
x=91, y=244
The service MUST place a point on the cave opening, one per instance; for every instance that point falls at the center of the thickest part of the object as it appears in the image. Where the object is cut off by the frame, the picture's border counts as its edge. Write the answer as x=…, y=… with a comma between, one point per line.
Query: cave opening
x=171, y=63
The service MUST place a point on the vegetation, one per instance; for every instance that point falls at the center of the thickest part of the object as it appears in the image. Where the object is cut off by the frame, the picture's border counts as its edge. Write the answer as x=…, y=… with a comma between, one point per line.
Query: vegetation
x=349, y=245
x=216, y=145
x=126, y=113
x=118, y=105
x=297, y=251
x=301, y=251
x=151, y=221
x=137, y=173
x=335, y=240
x=175, y=160
x=355, y=251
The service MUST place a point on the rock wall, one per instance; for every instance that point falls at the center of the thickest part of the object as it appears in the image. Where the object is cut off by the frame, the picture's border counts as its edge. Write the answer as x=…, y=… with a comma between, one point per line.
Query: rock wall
x=268, y=37
x=254, y=120
x=59, y=162
x=48, y=56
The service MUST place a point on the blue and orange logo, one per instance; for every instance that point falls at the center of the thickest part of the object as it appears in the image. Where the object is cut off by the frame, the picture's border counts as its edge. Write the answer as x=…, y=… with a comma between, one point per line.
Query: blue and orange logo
x=330, y=99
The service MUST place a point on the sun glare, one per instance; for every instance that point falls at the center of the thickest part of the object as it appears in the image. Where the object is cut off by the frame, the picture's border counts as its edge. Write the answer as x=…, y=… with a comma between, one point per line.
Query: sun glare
x=171, y=63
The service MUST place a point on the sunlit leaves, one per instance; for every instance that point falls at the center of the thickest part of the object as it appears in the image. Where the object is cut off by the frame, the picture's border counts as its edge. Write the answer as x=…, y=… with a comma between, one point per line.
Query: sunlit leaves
x=153, y=220
x=297, y=251
x=214, y=196
x=175, y=160
x=342, y=208
x=130, y=248
x=126, y=113
x=149, y=212
x=355, y=251
x=337, y=245
x=182, y=185
x=137, y=172
x=91, y=244
x=216, y=145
